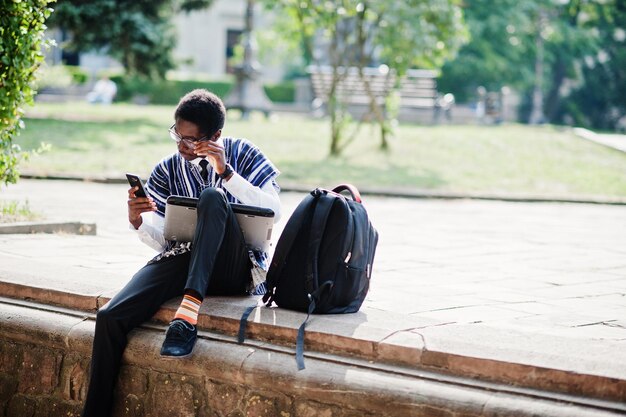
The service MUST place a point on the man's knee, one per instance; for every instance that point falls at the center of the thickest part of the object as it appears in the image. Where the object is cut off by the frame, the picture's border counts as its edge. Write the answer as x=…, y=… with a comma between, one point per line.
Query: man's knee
x=111, y=314
x=105, y=314
x=212, y=197
x=109, y=322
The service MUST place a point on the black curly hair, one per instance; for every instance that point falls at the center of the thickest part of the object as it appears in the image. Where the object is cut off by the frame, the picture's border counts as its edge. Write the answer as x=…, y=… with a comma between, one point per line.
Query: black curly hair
x=202, y=108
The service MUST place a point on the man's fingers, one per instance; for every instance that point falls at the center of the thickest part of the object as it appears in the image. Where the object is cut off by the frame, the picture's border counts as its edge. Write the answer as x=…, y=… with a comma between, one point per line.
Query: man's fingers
x=209, y=148
x=141, y=204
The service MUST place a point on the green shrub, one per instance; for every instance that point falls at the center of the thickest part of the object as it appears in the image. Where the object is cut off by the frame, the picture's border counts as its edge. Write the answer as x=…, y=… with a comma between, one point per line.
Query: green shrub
x=79, y=75
x=137, y=89
x=164, y=91
x=53, y=76
x=284, y=92
x=21, y=38
x=60, y=76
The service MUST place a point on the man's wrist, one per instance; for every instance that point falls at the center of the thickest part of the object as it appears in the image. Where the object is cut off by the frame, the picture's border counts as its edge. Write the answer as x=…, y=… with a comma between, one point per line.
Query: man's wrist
x=137, y=223
x=227, y=173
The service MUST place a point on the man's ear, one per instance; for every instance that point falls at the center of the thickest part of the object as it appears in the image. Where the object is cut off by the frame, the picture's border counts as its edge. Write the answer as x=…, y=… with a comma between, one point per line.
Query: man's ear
x=216, y=135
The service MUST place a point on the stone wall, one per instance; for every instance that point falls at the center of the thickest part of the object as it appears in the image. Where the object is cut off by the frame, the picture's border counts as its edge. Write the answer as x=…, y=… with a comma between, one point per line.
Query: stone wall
x=42, y=381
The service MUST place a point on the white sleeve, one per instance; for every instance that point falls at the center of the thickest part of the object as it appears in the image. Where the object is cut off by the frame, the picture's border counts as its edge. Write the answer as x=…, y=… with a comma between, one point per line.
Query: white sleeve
x=151, y=231
x=266, y=196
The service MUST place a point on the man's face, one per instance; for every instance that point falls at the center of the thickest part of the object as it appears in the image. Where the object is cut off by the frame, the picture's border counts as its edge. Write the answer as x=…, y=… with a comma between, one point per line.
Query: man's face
x=190, y=133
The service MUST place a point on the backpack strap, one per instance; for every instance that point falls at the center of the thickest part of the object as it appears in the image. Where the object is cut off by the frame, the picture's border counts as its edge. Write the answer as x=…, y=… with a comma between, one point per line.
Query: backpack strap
x=318, y=225
x=243, y=323
x=300, y=338
x=285, y=242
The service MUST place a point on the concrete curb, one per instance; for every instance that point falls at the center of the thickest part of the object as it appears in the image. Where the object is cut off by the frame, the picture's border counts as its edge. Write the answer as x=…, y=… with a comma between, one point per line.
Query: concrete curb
x=366, y=336
x=74, y=228
x=349, y=386
x=383, y=192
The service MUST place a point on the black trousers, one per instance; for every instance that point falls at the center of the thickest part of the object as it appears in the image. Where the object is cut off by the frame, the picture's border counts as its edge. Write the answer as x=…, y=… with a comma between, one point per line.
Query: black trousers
x=218, y=264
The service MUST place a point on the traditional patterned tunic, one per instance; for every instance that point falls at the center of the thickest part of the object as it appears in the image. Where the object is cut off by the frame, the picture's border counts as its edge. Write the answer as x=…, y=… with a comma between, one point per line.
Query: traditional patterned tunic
x=176, y=176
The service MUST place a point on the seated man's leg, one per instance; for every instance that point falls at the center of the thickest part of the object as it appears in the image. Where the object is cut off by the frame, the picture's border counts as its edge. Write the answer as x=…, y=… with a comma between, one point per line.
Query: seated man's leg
x=219, y=265
x=137, y=302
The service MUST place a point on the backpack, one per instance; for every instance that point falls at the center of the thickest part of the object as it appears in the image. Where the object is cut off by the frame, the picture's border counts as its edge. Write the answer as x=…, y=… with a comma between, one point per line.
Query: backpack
x=323, y=259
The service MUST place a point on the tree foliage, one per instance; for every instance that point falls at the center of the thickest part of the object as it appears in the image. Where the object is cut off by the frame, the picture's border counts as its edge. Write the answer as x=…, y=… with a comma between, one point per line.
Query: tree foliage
x=362, y=33
x=137, y=33
x=22, y=25
x=500, y=52
x=589, y=87
x=584, y=44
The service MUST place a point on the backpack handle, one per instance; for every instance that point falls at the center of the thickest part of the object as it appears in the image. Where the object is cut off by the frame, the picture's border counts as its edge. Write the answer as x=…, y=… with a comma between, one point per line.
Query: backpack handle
x=354, y=193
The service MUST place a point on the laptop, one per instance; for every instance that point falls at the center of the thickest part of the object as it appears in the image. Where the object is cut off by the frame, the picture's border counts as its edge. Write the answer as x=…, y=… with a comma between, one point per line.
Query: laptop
x=180, y=221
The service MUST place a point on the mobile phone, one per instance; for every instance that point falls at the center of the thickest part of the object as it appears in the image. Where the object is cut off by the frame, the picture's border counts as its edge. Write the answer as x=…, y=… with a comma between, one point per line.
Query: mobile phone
x=134, y=181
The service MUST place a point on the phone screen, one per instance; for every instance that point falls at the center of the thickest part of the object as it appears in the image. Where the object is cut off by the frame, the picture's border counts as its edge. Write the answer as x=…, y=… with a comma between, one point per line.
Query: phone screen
x=134, y=181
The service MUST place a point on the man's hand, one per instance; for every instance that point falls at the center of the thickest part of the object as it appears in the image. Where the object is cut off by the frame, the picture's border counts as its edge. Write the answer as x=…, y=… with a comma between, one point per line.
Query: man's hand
x=138, y=205
x=214, y=152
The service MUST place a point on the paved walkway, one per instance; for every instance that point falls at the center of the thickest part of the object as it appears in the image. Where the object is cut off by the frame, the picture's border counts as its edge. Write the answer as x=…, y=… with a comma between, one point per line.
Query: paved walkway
x=611, y=140
x=539, y=283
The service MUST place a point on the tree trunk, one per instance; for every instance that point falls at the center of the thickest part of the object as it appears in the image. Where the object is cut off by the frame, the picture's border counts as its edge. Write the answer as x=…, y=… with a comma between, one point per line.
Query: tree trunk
x=536, y=114
x=559, y=69
x=339, y=57
x=384, y=143
x=335, y=127
x=553, y=101
x=376, y=109
x=334, y=110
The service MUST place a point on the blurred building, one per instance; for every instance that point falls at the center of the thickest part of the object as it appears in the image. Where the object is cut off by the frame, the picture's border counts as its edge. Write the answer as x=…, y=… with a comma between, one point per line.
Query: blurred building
x=206, y=43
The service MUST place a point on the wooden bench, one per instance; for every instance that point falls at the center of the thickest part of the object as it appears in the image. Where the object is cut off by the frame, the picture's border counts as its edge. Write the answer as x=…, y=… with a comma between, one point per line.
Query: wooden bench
x=417, y=89
x=350, y=88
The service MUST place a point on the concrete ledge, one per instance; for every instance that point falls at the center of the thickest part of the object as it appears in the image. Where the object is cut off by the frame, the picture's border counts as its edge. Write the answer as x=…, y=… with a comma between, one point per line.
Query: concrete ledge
x=45, y=353
x=540, y=362
x=594, y=370
x=75, y=228
x=391, y=192
x=47, y=283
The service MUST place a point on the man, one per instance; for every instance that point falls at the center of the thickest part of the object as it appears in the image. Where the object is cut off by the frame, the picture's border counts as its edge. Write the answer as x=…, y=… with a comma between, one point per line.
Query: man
x=103, y=91
x=218, y=171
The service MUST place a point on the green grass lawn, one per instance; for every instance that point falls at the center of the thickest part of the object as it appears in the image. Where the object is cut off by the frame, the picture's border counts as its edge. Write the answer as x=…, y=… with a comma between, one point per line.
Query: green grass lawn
x=98, y=141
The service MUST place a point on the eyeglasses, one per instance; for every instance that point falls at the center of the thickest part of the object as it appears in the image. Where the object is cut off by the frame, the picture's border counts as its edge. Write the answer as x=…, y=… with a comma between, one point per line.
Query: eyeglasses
x=187, y=140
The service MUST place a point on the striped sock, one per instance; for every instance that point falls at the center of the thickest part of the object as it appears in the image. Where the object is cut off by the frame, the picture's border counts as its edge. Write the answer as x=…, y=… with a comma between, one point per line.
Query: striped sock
x=188, y=310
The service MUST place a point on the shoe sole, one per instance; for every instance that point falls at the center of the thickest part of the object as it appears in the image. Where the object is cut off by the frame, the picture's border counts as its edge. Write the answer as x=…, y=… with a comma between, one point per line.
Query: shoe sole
x=170, y=357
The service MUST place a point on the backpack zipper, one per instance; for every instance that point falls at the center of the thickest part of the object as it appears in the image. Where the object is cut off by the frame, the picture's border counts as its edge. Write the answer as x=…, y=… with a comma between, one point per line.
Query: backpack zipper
x=351, y=229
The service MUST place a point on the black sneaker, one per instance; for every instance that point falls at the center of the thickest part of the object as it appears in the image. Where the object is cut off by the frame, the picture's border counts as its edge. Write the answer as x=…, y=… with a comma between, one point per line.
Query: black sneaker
x=179, y=339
